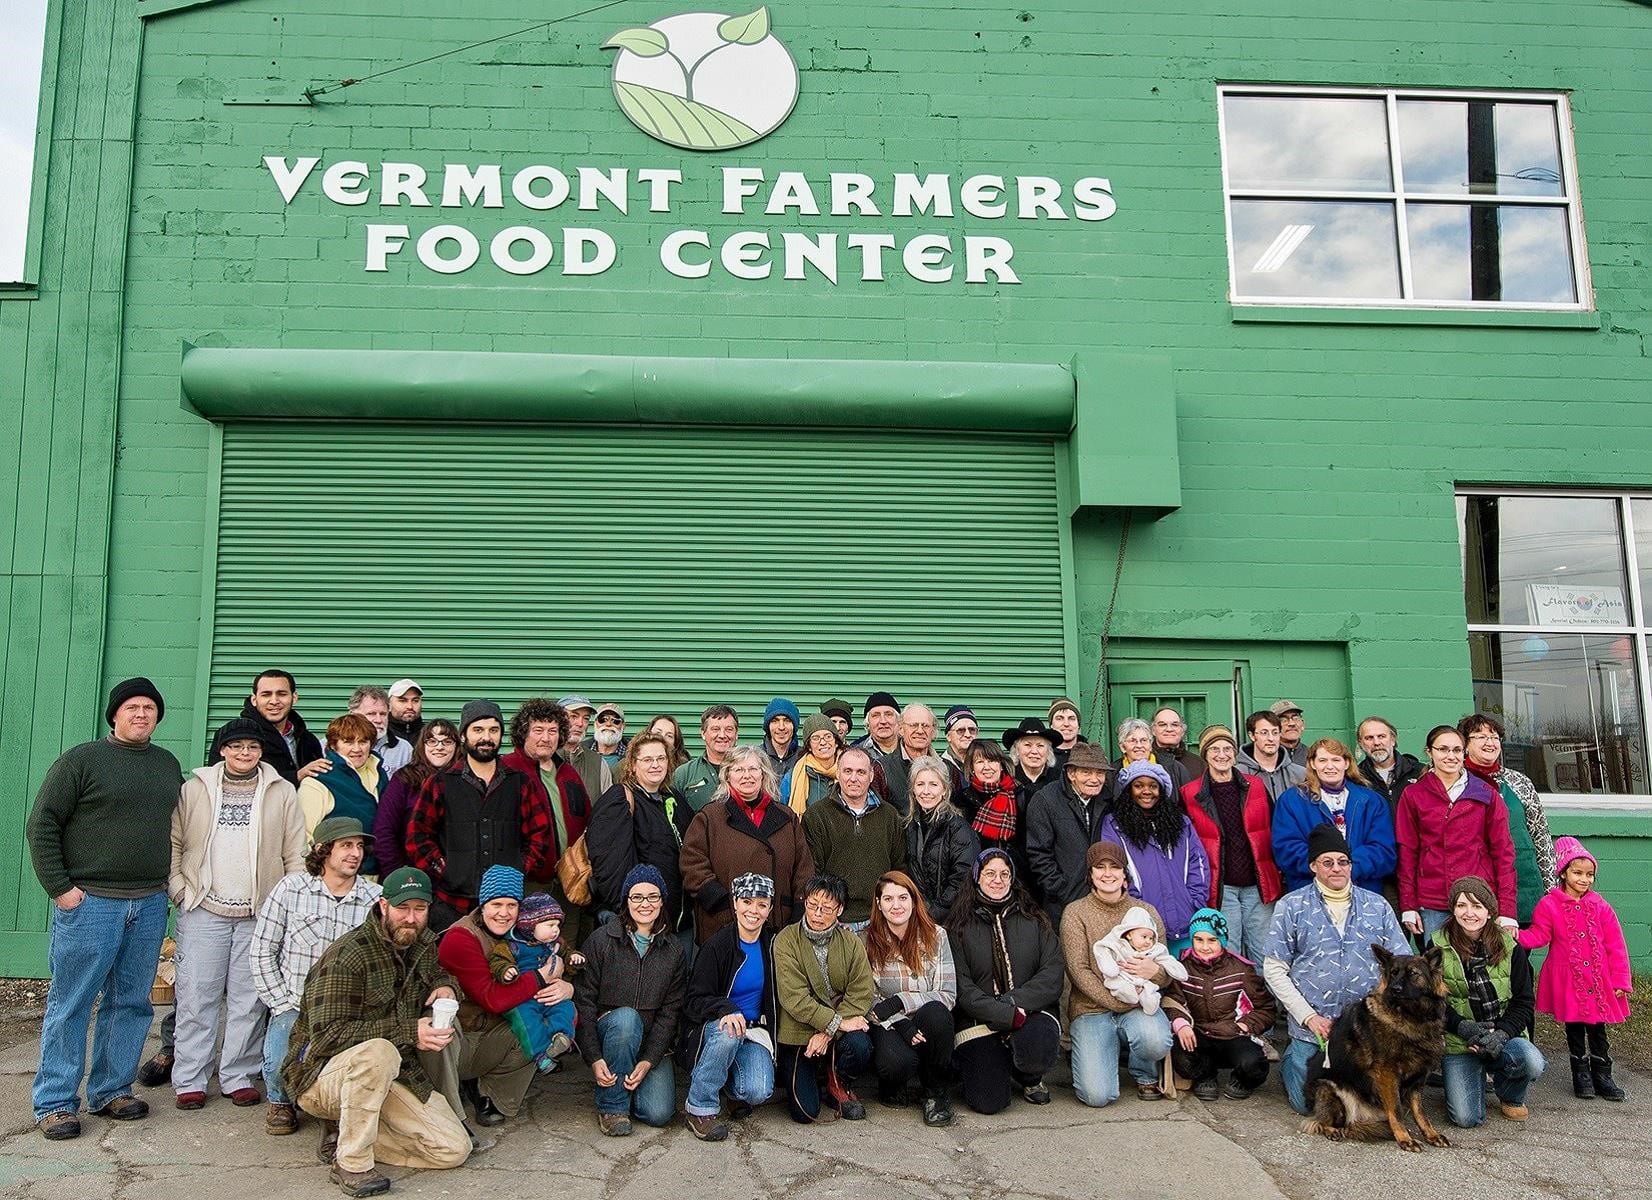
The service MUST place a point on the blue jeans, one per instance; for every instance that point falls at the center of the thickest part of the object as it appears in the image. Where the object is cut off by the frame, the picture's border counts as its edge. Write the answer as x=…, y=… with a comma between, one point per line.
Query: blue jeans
x=1096, y=1038
x=1517, y=1066
x=655, y=1100
x=277, y=1034
x=744, y=1066
x=1293, y=1071
x=1248, y=920
x=99, y=946
x=1433, y=919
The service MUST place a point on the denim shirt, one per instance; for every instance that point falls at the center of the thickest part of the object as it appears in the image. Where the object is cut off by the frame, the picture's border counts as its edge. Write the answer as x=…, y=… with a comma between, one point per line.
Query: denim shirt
x=1331, y=969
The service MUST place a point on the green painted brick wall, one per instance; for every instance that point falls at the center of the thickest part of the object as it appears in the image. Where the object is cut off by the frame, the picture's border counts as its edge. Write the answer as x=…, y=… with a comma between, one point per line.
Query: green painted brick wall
x=1317, y=460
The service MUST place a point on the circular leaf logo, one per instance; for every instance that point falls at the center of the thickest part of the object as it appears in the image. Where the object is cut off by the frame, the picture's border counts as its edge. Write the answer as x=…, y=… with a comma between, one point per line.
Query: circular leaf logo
x=704, y=81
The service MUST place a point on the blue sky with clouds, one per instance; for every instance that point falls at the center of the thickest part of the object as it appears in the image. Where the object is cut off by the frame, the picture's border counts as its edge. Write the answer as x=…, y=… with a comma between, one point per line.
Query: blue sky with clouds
x=21, y=26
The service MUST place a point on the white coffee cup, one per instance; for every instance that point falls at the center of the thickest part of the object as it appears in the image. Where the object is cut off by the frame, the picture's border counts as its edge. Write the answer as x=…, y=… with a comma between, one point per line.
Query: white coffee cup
x=442, y=1012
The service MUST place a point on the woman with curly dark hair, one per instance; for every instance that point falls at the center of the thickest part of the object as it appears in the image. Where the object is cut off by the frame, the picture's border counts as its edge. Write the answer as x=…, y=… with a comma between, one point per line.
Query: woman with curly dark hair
x=1168, y=867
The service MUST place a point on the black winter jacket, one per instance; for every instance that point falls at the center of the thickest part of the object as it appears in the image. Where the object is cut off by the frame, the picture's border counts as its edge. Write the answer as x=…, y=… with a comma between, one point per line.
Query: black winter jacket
x=615, y=976
x=710, y=982
x=1035, y=962
x=275, y=746
x=620, y=835
x=940, y=857
x=1407, y=770
x=1059, y=836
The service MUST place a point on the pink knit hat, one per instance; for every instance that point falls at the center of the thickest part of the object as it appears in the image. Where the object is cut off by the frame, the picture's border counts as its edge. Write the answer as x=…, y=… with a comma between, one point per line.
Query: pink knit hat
x=1568, y=850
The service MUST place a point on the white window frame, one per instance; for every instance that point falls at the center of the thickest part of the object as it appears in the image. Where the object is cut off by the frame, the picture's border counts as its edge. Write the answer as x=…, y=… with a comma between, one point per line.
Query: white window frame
x=1640, y=636
x=1570, y=198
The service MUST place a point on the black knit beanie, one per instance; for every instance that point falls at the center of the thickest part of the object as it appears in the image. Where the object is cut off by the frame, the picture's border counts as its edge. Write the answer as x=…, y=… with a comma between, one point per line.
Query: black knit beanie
x=128, y=689
x=1323, y=839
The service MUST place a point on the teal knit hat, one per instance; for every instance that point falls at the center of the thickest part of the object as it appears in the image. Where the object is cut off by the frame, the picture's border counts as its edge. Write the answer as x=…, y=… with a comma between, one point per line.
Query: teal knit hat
x=1209, y=920
x=500, y=882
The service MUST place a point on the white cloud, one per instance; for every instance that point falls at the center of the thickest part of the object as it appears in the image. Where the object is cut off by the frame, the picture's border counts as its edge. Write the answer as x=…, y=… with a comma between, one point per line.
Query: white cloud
x=22, y=27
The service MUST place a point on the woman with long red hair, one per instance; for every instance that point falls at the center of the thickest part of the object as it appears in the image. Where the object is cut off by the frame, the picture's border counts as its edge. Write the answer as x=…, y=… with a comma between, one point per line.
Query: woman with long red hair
x=916, y=987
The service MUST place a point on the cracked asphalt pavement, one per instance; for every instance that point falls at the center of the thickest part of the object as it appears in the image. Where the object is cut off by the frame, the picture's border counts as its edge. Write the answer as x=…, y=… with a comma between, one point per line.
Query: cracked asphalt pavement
x=1228, y=1150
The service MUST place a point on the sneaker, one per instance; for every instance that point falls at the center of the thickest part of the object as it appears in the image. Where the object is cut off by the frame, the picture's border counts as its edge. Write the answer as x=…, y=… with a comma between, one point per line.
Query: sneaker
x=707, y=1129
x=1514, y=1112
x=190, y=1101
x=1148, y=1091
x=614, y=1124
x=1036, y=1094
x=59, y=1126
x=370, y=1182
x=123, y=1108
x=280, y=1120
x=243, y=1097
x=156, y=1071
x=1236, y=1091
x=328, y=1150
x=1205, y=1089
x=560, y=1044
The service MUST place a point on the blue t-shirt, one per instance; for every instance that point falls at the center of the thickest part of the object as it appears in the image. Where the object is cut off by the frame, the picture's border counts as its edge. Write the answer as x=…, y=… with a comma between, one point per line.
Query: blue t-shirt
x=747, y=991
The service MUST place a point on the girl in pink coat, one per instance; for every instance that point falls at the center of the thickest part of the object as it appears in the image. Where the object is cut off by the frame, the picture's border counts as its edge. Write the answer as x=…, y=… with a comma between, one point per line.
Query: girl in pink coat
x=1585, y=983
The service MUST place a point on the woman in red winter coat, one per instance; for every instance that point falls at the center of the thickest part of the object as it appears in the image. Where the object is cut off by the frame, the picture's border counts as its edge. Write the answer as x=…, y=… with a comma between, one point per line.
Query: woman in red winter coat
x=1231, y=815
x=1449, y=824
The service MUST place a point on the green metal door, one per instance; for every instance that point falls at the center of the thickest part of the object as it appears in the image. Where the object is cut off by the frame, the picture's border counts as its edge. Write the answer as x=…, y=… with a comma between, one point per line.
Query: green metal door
x=1205, y=693
x=664, y=568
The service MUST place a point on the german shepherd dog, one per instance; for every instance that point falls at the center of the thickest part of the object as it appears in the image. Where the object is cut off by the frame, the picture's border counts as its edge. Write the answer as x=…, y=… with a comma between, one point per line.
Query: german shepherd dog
x=1381, y=1052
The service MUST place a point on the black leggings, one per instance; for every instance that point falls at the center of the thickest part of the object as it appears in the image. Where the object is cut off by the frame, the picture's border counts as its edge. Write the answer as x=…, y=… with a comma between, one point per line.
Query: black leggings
x=1586, y=1041
x=897, y=1060
x=990, y=1064
x=1210, y=1055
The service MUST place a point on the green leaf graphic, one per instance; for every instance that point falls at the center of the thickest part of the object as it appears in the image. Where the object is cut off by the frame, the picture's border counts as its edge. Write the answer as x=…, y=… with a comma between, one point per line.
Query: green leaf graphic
x=747, y=30
x=679, y=122
x=642, y=41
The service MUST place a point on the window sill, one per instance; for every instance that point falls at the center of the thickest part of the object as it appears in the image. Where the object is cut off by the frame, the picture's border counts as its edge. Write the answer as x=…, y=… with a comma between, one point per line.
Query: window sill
x=1599, y=816
x=1512, y=318
x=19, y=291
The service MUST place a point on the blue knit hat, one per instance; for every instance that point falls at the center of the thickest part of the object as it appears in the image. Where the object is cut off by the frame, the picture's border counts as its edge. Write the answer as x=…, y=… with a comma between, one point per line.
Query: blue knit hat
x=1144, y=770
x=500, y=882
x=1209, y=920
x=778, y=706
x=642, y=873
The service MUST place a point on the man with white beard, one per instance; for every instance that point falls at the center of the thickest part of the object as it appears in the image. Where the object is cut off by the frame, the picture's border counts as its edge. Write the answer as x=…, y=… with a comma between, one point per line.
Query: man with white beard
x=608, y=737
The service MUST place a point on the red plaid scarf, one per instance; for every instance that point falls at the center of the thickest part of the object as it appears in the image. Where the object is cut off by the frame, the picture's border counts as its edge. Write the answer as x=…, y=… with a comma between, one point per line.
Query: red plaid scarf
x=995, y=819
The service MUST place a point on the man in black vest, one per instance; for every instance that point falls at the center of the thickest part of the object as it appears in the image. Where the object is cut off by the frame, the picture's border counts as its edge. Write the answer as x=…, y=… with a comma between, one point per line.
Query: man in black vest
x=474, y=813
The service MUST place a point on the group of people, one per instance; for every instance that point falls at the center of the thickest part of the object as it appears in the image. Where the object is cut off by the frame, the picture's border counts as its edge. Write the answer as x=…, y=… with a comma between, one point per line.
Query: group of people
x=398, y=926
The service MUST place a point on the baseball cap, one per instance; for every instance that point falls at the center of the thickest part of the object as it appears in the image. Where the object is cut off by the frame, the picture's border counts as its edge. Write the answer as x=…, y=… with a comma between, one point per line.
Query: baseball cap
x=609, y=708
x=1280, y=707
x=404, y=884
x=334, y=828
x=575, y=702
x=402, y=686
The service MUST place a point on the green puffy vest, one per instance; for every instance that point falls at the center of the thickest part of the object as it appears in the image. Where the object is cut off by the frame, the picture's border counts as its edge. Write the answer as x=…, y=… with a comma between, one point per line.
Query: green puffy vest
x=1456, y=977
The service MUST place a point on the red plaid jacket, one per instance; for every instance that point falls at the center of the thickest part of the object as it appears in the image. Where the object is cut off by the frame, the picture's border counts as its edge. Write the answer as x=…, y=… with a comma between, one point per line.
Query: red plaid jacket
x=448, y=853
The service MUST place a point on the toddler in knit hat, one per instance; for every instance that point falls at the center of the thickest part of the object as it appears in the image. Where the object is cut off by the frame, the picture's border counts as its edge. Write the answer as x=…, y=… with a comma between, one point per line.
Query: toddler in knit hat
x=533, y=947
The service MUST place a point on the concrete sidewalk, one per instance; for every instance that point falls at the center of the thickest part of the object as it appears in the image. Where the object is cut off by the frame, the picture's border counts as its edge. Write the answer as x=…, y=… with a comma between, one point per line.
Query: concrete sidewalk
x=1228, y=1150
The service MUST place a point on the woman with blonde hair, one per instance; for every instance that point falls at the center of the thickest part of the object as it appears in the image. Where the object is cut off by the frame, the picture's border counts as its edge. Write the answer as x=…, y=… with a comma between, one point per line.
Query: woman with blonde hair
x=940, y=845
x=1335, y=794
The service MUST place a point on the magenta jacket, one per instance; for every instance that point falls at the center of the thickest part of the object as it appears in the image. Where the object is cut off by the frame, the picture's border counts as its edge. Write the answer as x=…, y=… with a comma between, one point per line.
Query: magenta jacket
x=1587, y=960
x=1440, y=842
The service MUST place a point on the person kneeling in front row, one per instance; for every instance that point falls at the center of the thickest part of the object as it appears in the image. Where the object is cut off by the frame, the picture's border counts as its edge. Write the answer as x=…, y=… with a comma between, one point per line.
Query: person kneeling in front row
x=825, y=987
x=364, y=1054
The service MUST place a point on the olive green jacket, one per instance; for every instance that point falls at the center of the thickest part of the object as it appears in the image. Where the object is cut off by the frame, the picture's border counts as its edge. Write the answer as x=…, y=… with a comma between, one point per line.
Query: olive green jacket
x=806, y=1000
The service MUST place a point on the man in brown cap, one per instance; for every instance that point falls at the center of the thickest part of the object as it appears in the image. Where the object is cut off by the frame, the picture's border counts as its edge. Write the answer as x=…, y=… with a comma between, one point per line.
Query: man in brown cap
x=1291, y=726
x=1063, y=819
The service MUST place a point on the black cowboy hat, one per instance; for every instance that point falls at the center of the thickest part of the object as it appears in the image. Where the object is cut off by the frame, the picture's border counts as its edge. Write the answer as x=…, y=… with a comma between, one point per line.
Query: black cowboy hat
x=1031, y=727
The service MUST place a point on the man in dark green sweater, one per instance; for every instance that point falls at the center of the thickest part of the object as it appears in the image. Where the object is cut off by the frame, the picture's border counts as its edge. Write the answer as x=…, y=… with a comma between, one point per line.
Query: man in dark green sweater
x=854, y=835
x=100, y=837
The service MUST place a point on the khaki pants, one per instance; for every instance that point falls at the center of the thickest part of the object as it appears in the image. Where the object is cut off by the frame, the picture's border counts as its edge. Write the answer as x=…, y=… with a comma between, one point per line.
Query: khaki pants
x=380, y=1120
x=493, y=1058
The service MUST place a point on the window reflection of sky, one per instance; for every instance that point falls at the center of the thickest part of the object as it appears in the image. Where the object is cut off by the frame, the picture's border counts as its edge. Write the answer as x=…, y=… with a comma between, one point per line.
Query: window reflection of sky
x=1572, y=541
x=1532, y=251
x=1349, y=252
x=1322, y=143
x=1434, y=148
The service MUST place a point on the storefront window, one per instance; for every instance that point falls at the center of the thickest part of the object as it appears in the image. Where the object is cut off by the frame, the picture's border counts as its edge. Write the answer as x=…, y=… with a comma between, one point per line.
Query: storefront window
x=1387, y=197
x=1558, y=636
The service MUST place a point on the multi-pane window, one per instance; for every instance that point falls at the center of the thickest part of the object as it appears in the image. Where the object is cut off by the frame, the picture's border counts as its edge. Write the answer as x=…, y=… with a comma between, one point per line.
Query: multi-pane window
x=1375, y=197
x=1555, y=588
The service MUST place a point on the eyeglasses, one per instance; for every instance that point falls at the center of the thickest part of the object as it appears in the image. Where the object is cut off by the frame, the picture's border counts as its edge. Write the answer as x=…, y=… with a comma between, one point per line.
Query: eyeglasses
x=821, y=906
x=645, y=901
x=1337, y=863
x=652, y=760
x=438, y=741
x=1484, y=737
x=609, y=721
x=1448, y=751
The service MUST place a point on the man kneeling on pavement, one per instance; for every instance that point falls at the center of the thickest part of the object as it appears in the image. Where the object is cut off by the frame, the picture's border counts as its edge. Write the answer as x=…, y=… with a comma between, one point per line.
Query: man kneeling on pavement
x=368, y=1057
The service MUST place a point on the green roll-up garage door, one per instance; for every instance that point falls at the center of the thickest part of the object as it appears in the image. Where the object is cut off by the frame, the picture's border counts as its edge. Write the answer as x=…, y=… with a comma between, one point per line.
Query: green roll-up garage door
x=663, y=568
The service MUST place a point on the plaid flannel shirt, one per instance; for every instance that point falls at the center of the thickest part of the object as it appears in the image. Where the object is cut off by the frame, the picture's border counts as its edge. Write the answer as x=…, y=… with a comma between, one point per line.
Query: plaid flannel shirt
x=295, y=926
x=362, y=989
x=426, y=826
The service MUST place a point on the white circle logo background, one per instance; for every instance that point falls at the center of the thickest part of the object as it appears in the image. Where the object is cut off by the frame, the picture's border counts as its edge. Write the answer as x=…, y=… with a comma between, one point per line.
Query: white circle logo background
x=703, y=80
